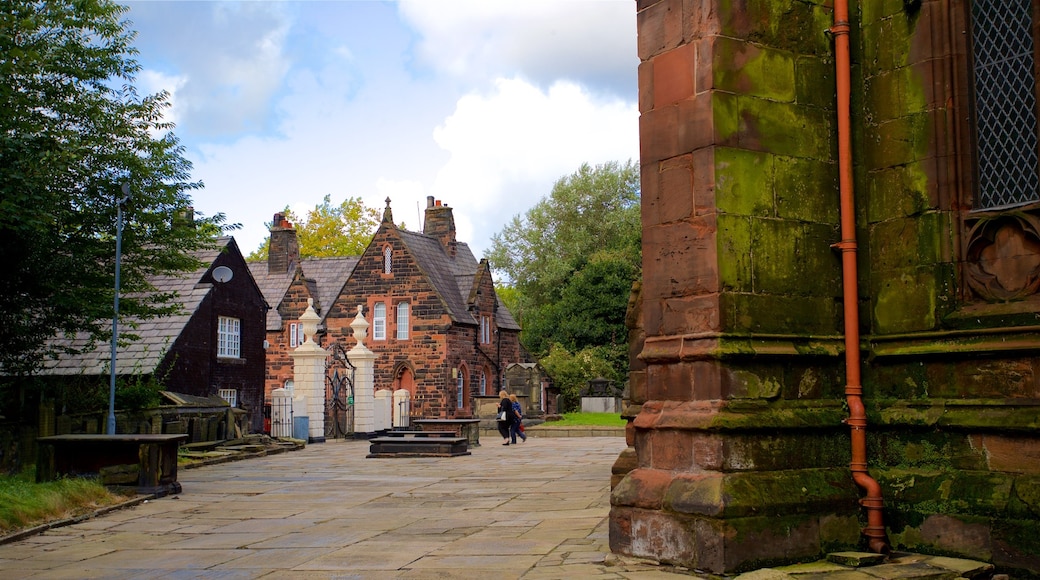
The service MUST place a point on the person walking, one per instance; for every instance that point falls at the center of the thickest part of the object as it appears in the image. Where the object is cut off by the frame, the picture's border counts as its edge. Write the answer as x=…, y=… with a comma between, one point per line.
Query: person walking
x=505, y=416
x=518, y=415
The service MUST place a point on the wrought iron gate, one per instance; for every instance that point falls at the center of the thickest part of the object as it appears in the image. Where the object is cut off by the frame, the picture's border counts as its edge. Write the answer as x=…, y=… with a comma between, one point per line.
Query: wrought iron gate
x=339, y=394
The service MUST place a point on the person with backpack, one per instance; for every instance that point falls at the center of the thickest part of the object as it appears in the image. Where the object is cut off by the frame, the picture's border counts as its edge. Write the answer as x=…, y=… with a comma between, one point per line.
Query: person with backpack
x=505, y=417
x=517, y=428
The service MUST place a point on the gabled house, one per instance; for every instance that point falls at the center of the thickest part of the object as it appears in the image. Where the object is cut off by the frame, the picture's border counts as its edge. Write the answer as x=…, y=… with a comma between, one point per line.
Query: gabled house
x=437, y=325
x=213, y=346
x=287, y=281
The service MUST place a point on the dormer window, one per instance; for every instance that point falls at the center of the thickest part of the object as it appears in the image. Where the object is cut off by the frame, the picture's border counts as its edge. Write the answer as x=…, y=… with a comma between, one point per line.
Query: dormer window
x=388, y=262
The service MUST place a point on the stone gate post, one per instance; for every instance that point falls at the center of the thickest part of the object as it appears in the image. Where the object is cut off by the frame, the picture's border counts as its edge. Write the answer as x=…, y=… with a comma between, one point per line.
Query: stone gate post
x=363, y=360
x=309, y=374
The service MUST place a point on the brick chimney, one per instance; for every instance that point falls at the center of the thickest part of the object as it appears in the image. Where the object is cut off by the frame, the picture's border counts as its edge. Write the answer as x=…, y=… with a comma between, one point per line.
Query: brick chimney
x=440, y=223
x=283, y=251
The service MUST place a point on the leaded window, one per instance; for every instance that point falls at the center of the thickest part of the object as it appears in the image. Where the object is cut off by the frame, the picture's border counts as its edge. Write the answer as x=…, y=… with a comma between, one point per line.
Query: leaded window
x=1005, y=103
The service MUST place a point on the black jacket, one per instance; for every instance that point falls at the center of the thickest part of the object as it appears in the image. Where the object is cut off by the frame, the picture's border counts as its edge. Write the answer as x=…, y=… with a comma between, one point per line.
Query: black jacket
x=505, y=405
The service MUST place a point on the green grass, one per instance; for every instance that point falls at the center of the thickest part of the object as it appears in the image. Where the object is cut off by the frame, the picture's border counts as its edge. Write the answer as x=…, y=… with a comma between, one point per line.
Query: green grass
x=586, y=419
x=25, y=503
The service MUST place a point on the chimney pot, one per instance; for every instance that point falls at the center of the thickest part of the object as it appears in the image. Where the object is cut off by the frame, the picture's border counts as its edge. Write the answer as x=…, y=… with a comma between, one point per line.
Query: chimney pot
x=438, y=203
x=429, y=201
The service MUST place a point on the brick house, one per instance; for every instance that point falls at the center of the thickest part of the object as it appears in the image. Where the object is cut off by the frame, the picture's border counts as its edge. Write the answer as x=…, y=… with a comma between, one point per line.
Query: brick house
x=214, y=346
x=287, y=281
x=437, y=325
x=436, y=321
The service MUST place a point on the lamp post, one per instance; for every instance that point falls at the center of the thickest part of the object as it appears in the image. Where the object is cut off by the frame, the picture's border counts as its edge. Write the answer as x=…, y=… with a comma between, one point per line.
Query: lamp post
x=125, y=188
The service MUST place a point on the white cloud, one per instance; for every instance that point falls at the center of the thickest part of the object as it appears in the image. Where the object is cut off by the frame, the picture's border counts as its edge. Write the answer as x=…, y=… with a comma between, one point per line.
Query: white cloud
x=509, y=146
x=589, y=41
x=283, y=103
x=150, y=82
x=229, y=59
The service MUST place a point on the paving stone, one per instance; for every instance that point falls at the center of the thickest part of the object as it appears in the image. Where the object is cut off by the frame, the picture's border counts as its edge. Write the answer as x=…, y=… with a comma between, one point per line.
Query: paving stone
x=537, y=511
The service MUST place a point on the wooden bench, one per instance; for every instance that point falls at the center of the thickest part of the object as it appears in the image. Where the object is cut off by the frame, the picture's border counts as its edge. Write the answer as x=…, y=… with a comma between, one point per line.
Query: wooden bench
x=418, y=446
x=145, y=463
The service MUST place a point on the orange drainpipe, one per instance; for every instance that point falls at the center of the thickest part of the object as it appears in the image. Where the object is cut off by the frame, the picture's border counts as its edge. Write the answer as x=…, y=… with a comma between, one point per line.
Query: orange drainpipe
x=857, y=419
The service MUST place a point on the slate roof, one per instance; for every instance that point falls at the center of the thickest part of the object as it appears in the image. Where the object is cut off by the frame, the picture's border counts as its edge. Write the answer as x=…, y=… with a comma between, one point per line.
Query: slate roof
x=329, y=275
x=452, y=279
x=156, y=335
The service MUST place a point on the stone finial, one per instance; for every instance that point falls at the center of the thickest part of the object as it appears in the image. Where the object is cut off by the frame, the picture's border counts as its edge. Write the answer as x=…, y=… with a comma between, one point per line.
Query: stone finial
x=360, y=327
x=310, y=320
x=388, y=216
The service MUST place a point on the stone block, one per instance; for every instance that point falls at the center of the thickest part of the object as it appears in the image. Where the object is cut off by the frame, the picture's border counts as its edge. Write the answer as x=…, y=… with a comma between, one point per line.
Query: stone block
x=680, y=259
x=794, y=258
x=672, y=382
x=805, y=189
x=642, y=488
x=674, y=185
x=771, y=313
x=691, y=314
x=814, y=82
x=735, y=261
x=744, y=182
x=674, y=75
x=752, y=69
x=905, y=301
x=897, y=193
x=660, y=28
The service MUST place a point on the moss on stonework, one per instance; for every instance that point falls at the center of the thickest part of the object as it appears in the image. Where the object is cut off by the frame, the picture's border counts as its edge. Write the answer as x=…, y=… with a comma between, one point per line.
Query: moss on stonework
x=743, y=182
x=785, y=129
x=1027, y=494
x=979, y=493
x=896, y=192
x=749, y=69
x=905, y=301
x=778, y=417
x=793, y=258
x=801, y=189
x=770, y=313
x=792, y=25
x=734, y=260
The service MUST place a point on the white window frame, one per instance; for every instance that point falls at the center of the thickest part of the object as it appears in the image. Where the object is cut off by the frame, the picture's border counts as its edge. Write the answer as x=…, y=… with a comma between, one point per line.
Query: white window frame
x=403, y=320
x=483, y=383
x=229, y=337
x=379, y=321
x=294, y=334
x=229, y=395
x=485, y=329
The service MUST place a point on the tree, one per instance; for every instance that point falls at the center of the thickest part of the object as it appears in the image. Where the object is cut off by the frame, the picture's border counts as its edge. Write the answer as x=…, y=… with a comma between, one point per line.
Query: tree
x=571, y=261
x=595, y=208
x=343, y=230
x=72, y=131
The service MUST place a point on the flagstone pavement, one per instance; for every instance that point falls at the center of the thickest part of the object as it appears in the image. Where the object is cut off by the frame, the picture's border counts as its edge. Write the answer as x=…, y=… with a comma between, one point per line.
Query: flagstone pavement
x=536, y=510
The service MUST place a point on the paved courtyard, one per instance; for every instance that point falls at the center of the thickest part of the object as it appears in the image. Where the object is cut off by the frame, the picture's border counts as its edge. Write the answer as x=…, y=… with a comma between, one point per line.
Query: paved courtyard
x=536, y=510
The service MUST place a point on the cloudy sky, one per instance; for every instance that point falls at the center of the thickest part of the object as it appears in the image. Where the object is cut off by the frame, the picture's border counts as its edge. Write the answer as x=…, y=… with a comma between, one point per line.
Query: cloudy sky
x=483, y=104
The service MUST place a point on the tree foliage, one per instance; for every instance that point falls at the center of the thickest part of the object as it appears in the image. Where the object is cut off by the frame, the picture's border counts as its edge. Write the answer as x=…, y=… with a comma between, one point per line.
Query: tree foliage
x=570, y=262
x=593, y=209
x=328, y=230
x=73, y=129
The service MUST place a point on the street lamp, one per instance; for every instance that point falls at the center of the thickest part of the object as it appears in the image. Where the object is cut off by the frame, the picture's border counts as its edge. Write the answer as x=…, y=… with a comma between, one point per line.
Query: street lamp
x=125, y=188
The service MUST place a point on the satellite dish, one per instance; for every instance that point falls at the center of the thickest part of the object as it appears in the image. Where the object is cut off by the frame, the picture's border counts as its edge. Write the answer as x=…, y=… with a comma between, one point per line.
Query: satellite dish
x=222, y=274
